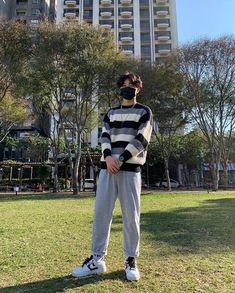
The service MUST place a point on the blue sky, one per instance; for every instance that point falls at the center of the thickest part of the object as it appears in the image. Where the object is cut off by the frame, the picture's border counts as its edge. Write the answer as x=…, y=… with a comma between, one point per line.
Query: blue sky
x=200, y=18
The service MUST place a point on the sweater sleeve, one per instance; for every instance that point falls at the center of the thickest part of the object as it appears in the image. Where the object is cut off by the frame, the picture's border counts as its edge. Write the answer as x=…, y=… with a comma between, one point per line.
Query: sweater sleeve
x=140, y=142
x=105, y=137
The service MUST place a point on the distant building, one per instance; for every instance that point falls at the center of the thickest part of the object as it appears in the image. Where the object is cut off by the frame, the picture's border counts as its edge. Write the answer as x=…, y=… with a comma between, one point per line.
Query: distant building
x=143, y=29
x=4, y=10
x=27, y=11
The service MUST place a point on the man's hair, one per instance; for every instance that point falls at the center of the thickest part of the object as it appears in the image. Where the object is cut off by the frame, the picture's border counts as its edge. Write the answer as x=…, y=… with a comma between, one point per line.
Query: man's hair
x=134, y=80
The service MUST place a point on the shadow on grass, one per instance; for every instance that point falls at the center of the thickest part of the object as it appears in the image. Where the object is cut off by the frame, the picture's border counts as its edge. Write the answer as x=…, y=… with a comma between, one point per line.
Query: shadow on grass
x=203, y=229
x=61, y=284
x=44, y=196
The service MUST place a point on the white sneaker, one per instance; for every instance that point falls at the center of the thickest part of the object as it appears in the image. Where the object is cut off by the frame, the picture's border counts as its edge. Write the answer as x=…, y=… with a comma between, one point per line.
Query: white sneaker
x=90, y=267
x=132, y=272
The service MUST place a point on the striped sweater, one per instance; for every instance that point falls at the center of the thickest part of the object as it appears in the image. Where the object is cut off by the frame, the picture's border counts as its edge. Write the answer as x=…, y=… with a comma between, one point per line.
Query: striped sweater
x=126, y=132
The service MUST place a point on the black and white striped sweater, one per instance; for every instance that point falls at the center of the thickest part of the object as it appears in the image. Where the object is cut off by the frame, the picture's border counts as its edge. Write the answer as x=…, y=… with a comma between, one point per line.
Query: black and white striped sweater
x=126, y=132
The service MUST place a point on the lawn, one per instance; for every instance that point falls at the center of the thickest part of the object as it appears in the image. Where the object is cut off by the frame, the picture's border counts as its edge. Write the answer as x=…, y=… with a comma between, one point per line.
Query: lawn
x=187, y=244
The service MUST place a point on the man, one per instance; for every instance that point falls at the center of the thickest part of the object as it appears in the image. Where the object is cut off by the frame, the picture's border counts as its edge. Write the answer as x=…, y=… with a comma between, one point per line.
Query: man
x=126, y=133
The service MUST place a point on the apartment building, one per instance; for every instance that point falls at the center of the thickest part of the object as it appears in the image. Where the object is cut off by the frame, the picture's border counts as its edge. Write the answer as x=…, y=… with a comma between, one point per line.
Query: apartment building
x=143, y=29
x=27, y=11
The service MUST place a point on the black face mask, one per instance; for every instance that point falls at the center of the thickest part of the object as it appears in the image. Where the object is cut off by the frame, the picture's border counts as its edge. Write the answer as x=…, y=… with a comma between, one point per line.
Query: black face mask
x=127, y=93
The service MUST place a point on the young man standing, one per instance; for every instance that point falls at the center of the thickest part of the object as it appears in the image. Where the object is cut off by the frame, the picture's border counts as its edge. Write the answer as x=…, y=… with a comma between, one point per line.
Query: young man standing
x=126, y=133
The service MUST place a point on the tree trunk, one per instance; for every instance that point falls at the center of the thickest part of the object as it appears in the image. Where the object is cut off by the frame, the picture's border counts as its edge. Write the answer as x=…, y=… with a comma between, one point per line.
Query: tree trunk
x=166, y=164
x=75, y=175
x=93, y=168
x=225, y=173
x=214, y=175
x=186, y=175
x=56, y=182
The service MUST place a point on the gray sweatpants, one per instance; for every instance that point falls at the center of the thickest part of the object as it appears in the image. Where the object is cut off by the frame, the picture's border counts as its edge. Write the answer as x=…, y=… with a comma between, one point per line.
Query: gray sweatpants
x=127, y=186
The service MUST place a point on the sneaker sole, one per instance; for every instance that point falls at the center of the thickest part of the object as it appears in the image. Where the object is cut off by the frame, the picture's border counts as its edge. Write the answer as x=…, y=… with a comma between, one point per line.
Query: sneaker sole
x=89, y=275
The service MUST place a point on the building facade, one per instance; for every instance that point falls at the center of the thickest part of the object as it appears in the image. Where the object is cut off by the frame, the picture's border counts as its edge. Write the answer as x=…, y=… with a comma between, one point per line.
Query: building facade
x=143, y=29
x=4, y=10
x=27, y=11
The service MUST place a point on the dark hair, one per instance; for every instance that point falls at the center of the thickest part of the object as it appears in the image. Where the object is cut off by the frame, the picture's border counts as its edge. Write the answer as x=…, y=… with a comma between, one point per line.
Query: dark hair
x=134, y=80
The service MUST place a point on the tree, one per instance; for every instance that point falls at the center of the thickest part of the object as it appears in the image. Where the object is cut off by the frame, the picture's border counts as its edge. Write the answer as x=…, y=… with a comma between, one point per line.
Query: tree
x=163, y=86
x=192, y=154
x=12, y=111
x=208, y=67
x=65, y=76
x=15, y=47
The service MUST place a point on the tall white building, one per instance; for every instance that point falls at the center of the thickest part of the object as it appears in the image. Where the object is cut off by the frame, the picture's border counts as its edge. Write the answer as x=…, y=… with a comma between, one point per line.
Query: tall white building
x=143, y=29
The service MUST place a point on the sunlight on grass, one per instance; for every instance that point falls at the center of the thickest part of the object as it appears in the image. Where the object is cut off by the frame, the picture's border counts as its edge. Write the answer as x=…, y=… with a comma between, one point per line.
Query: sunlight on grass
x=187, y=244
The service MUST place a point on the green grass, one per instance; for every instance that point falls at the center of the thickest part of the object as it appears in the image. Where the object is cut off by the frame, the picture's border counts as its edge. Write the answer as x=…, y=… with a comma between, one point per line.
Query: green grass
x=187, y=244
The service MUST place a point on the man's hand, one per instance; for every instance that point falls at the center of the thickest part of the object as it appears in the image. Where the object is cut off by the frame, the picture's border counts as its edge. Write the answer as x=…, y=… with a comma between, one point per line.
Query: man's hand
x=113, y=165
x=119, y=164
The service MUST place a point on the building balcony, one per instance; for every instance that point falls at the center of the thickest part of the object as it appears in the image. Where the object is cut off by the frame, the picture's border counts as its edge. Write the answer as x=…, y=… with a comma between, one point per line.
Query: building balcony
x=127, y=52
x=126, y=39
x=106, y=14
x=163, y=38
x=106, y=26
x=162, y=13
x=70, y=15
x=71, y=3
x=125, y=2
x=106, y=2
x=161, y=2
x=126, y=26
x=164, y=52
x=163, y=25
x=69, y=96
x=126, y=14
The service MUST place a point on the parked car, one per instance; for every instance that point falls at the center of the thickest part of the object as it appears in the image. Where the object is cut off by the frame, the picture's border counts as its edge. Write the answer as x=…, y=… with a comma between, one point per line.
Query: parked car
x=163, y=183
x=174, y=183
x=89, y=184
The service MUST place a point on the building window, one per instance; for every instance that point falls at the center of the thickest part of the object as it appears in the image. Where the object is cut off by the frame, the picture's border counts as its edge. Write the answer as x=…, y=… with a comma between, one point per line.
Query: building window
x=71, y=10
x=145, y=38
x=161, y=8
x=162, y=34
x=163, y=47
x=21, y=1
x=156, y=21
x=36, y=11
x=144, y=25
x=106, y=10
x=34, y=22
x=128, y=47
x=35, y=1
x=20, y=12
x=144, y=2
x=125, y=34
x=123, y=9
x=87, y=2
x=87, y=14
x=145, y=50
x=125, y=21
x=111, y=22
x=144, y=13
